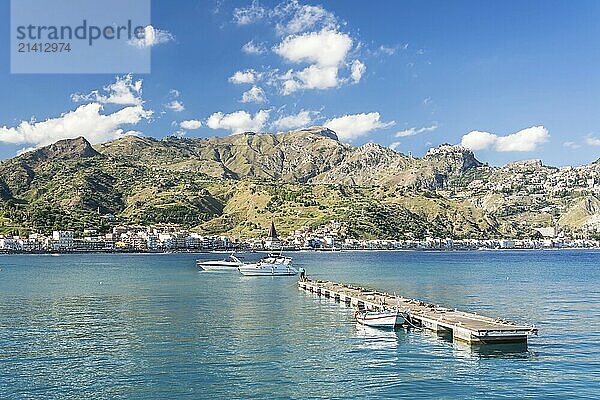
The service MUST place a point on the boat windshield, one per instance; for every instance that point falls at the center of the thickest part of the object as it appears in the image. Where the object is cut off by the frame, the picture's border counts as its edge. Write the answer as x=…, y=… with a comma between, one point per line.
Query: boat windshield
x=276, y=260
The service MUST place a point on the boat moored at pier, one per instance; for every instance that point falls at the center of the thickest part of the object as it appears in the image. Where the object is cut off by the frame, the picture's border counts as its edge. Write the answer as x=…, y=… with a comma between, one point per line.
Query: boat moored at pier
x=462, y=326
x=388, y=319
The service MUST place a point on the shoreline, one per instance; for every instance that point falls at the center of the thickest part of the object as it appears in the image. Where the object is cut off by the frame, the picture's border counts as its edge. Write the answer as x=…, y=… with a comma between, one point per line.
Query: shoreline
x=227, y=251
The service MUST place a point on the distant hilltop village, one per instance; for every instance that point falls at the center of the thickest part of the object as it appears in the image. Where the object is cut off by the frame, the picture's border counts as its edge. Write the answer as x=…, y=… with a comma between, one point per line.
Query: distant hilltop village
x=331, y=236
x=234, y=186
x=533, y=177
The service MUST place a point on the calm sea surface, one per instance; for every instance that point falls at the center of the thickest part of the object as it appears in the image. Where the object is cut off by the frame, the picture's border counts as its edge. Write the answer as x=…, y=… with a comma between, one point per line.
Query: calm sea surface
x=153, y=326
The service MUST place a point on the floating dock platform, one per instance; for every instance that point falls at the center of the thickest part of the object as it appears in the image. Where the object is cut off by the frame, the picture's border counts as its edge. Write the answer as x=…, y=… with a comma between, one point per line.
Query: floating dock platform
x=462, y=326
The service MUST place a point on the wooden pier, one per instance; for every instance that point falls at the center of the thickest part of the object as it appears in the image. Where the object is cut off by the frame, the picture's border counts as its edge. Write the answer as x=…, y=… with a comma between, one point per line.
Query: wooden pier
x=462, y=326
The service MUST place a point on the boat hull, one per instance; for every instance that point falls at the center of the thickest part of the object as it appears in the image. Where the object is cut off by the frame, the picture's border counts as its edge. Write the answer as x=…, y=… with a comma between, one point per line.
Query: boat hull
x=231, y=268
x=218, y=266
x=266, y=270
x=382, y=319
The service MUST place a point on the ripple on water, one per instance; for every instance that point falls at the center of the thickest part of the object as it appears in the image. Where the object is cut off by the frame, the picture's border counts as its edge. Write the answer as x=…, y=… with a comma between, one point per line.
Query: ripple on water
x=153, y=326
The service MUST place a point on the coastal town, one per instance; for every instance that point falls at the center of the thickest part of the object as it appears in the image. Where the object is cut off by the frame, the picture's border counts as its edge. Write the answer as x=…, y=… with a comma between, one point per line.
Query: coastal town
x=329, y=237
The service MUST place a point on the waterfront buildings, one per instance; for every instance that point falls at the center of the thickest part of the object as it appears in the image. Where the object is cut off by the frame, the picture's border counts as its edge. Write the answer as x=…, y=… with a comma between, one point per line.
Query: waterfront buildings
x=330, y=236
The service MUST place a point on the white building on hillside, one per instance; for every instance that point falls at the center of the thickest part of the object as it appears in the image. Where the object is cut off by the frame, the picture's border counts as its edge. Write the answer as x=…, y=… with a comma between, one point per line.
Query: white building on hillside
x=62, y=240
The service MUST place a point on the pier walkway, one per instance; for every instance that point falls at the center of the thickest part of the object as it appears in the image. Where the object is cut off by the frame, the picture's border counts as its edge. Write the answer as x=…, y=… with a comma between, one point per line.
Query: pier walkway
x=463, y=326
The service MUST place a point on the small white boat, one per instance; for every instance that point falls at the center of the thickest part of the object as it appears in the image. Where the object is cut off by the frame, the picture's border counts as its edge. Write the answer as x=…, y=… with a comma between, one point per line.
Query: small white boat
x=380, y=319
x=231, y=263
x=272, y=265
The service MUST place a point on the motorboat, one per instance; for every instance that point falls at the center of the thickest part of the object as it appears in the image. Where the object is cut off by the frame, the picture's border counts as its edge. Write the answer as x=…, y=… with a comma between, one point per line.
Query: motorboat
x=272, y=265
x=380, y=319
x=231, y=263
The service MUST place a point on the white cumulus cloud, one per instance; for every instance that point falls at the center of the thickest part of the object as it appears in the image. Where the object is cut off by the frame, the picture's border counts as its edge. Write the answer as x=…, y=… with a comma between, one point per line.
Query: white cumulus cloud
x=124, y=91
x=296, y=18
x=152, y=37
x=524, y=140
x=325, y=51
x=478, y=140
x=254, y=95
x=239, y=121
x=416, y=131
x=288, y=17
x=310, y=36
x=312, y=77
x=190, y=124
x=327, y=47
x=349, y=127
x=86, y=120
x=175, y=105
x=357, y=70
x=241, y=77
x=294, y=121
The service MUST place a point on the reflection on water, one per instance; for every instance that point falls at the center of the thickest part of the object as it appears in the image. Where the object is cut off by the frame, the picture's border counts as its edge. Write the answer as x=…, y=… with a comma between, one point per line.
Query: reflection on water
x=377, y=339
x=503, y=350
x=153, y=326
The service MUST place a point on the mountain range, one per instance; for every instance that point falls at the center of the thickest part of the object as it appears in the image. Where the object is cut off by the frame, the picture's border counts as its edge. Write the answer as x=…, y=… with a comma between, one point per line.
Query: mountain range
x=237, y=184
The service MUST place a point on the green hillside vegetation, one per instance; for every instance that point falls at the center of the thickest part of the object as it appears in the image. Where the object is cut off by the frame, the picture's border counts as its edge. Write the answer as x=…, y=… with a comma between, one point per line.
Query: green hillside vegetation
x=236, y=185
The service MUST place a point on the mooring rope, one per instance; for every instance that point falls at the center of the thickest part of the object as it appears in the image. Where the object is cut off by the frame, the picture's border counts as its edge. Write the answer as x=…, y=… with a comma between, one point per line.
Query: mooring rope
x=410, y=323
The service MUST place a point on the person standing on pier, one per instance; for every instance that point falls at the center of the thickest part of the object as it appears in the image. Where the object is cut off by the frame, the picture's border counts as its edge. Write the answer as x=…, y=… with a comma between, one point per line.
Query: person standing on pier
x=302, y=274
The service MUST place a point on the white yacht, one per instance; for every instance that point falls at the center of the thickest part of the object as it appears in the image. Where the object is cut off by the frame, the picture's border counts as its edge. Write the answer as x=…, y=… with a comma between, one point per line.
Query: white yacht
x=272, y=265
x=380, y=319
x=231, y=263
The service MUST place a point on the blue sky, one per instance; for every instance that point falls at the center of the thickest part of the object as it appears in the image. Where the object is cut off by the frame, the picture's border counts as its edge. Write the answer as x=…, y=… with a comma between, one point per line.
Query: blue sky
x=512, y=80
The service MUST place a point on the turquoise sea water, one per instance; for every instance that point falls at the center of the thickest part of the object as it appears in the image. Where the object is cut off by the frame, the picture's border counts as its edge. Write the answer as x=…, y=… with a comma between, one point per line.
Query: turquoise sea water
x=153, y=326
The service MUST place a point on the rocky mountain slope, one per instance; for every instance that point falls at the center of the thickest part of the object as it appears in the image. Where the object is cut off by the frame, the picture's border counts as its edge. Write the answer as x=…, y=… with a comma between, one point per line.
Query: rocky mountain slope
x=292, y=157
x=237, y=184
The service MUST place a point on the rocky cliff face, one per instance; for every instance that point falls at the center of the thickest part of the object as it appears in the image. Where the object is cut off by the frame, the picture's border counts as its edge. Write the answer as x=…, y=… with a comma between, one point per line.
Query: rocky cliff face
x=62, y=150
x=291, y=157
x=439, y=168
x=585, y=212
x=369, y=164
x=236, y=183
x=310, y=155
x=451, y=159
x=320, y=131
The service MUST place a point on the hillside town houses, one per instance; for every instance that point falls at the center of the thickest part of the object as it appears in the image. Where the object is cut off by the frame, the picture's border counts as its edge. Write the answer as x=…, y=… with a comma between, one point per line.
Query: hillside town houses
x=534, y=177
x=330, y=236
